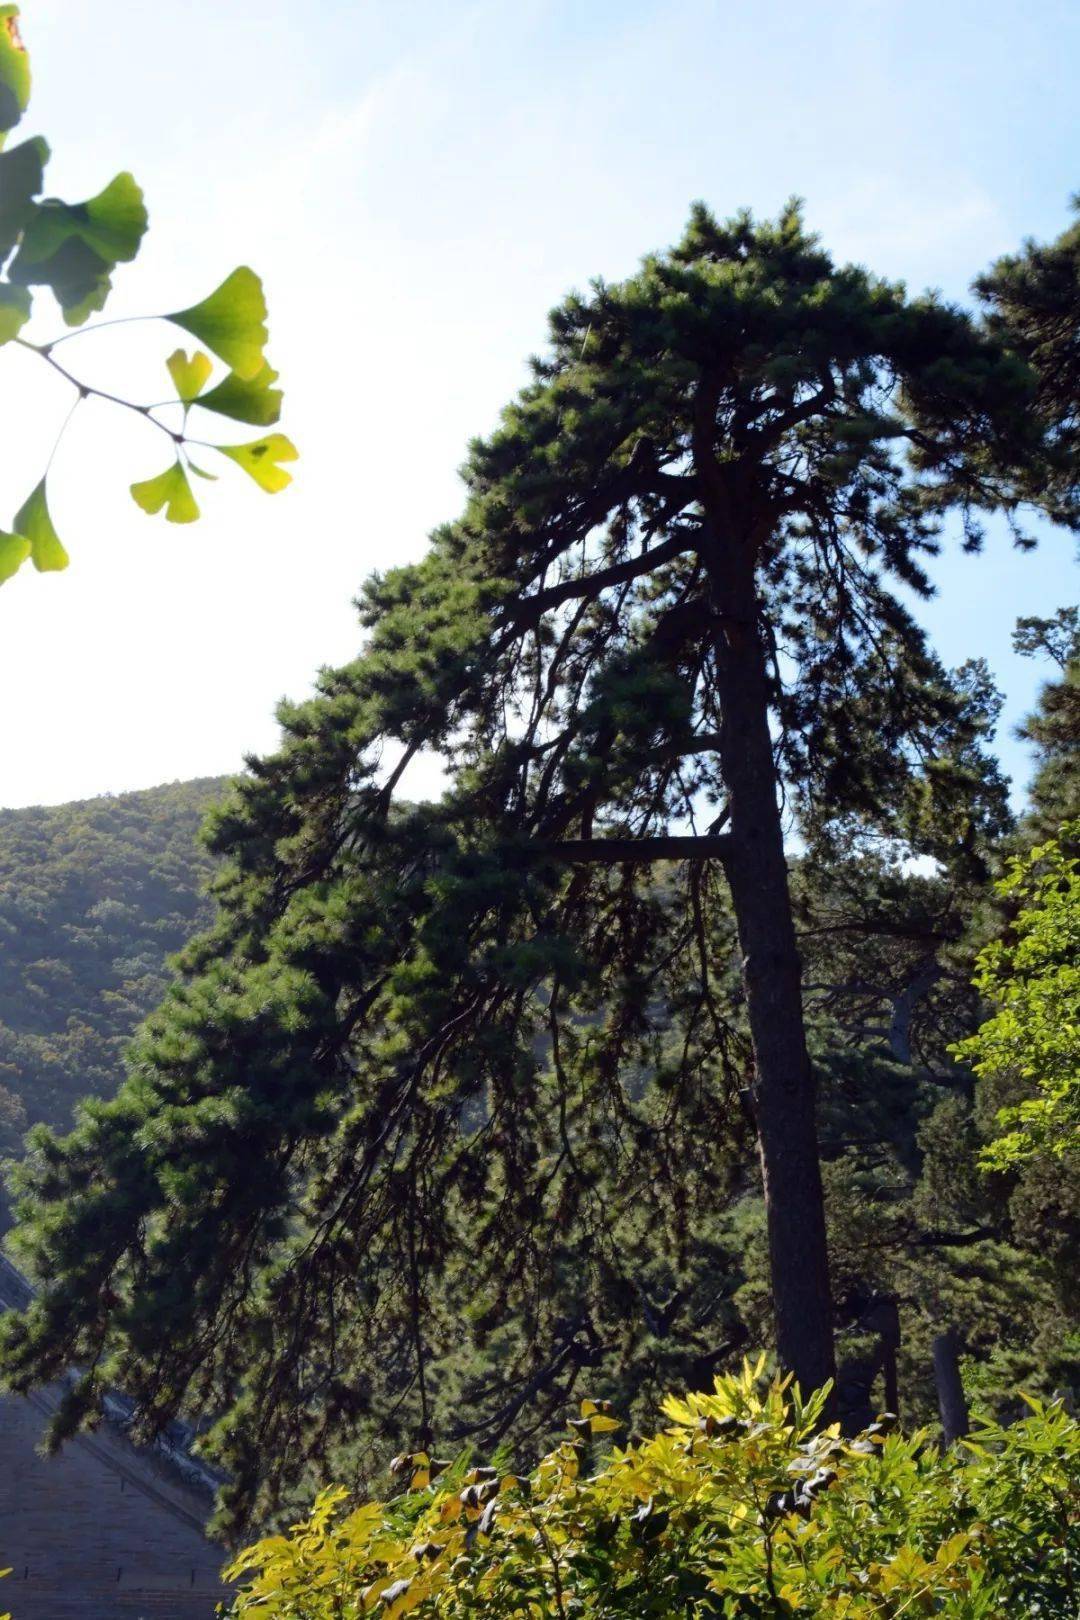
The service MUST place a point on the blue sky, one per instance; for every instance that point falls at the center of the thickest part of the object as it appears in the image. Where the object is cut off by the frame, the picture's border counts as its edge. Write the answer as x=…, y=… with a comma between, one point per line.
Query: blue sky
x=418, y=183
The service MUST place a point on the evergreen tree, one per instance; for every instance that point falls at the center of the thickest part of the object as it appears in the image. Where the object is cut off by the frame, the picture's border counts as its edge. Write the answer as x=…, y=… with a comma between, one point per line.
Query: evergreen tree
x=1032, y=301
x=438, y=1067
x=1054, y=727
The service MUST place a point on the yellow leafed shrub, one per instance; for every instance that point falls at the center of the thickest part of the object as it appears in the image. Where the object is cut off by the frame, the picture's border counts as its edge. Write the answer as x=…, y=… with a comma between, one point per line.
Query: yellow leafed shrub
x=742, y=1506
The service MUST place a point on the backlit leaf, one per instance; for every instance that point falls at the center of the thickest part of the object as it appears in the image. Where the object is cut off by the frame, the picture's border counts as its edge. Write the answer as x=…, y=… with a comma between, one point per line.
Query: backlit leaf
x=33, y=521
x=14, y=550
x=170, y=490
x=260, y=459
x=188, y=375
x=21, y=178
x=231, y=321
x=246, y=399
x=74, y=247
x=14, y=70
x=14, y=311
x=600, y=1423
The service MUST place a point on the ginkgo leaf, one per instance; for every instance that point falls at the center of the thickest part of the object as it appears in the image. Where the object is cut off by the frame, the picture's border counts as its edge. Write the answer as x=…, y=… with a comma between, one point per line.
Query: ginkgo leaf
x=188, y=375
x=14, y=550
x=170, y=490
x=246, y=399
x=14, y=311
x=22, y=175
x=231, y=321
x=260, y=459
x=14, y=71
x=32, y=520
x=74, y=247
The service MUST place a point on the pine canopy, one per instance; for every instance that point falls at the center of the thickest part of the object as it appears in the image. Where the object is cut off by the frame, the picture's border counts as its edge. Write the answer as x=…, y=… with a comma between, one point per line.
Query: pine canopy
x=441, y=1064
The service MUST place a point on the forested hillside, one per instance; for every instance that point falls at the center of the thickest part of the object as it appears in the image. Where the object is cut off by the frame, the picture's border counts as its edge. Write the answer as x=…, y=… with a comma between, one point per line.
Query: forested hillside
x=94, y=897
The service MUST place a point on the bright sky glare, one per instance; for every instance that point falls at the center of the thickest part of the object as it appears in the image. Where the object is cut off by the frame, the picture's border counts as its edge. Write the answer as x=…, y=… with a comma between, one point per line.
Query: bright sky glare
x=418, y=181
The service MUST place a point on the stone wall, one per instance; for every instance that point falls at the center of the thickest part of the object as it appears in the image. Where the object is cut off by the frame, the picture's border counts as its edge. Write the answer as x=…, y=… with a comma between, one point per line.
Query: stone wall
x=104, y=1531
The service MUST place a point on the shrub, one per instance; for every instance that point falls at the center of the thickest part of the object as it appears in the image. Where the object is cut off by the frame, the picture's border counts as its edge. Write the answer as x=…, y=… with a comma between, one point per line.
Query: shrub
x=741, y=1507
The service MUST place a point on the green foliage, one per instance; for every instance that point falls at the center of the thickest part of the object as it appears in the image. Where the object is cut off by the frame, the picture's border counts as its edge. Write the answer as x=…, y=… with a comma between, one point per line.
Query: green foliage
x=1031, y=1045
x=232, y=321
x=14, y=550
x=742, y=1507
x=246, y=399
x=22, y=174
x=1032, y=300
x=14, y=71
x=73, y=249
x=1054, y=727
x=94, y=899
x=171, y=490
x=33, y=522
x=888, y=958
x=189, y=373
x=260, y=460
x=432, y=1121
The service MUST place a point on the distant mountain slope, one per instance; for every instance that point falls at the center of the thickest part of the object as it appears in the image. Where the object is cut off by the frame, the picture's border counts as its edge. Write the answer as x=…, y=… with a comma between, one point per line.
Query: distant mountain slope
x=94, y=897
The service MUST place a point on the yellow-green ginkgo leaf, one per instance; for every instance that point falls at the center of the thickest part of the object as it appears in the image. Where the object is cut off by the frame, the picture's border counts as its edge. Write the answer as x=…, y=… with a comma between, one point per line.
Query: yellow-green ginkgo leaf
x=170, y=490
x=246, y=399
x=260, y=459
x=14, y=71
x=32, y=520
x=189, y=375
x=22, y=175
x=74, y=247
x=14, y=311
x=14, y=550
x=231, y=321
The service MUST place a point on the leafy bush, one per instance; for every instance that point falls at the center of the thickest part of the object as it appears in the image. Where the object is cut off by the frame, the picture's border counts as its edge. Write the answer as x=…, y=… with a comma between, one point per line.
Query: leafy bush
x=739, y=1508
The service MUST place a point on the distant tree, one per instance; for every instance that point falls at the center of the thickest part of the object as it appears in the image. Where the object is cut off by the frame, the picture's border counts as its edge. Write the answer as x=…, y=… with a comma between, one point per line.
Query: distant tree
x=1054, y=726
x=1032, y=300
x=73, y=250
x=435, y=1063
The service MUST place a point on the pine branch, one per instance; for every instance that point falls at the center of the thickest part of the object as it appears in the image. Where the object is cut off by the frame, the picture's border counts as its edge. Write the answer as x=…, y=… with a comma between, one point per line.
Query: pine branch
x=614, y=851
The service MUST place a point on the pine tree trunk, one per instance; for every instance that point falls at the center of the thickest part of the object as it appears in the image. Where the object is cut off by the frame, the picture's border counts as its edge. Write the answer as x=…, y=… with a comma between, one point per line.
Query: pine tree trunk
x=783, y=1090
x=952, y=1403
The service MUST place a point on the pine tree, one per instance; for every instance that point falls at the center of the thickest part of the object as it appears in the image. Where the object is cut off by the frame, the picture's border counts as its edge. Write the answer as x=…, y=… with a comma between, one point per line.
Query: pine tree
x=1054, y=726
x=436, y=1064
x=1032, y=299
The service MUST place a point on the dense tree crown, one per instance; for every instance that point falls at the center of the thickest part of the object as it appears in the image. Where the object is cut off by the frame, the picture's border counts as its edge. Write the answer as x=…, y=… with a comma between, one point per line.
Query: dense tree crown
x=441, y=1067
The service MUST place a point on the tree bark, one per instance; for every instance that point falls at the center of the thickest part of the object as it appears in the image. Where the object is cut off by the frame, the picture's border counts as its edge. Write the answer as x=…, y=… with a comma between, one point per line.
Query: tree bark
x=783, y=1090
x=952, y=1403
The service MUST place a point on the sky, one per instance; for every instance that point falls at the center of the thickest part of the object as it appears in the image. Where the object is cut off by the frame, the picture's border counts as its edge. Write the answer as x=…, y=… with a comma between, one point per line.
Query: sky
x=418, y=182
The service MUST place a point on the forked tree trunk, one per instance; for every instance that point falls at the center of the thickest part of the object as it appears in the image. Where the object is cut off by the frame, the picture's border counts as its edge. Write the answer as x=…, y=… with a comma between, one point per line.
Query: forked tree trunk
x=783, y=1089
